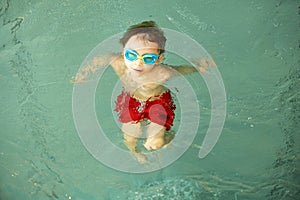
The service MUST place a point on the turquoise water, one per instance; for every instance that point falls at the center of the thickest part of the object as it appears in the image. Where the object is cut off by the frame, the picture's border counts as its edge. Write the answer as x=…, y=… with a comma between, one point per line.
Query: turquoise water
x=256, y=47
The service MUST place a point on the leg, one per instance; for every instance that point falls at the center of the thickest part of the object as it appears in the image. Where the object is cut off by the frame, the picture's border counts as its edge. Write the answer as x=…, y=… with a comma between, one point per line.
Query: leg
x=132, y=131
x=155, y=136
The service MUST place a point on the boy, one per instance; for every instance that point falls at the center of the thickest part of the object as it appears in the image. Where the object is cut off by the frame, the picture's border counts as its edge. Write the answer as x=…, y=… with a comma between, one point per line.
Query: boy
x=144, y=102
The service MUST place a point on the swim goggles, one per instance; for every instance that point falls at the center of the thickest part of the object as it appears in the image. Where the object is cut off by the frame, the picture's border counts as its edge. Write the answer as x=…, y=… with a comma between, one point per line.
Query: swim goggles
x=148, y=58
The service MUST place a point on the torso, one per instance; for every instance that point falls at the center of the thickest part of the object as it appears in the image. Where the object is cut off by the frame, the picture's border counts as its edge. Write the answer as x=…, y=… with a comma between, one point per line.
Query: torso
x=144, y=87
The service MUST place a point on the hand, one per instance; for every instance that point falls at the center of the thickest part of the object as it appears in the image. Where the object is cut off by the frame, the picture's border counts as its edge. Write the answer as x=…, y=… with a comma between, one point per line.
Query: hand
x=82, y=75
x=203, y=64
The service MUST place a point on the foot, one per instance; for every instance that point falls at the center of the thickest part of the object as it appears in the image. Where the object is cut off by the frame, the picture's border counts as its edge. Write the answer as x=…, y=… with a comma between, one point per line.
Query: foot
x=141, y=158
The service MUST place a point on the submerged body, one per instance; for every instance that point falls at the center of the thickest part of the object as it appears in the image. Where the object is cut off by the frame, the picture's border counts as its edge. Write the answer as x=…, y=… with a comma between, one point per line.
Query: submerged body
x=144, y=96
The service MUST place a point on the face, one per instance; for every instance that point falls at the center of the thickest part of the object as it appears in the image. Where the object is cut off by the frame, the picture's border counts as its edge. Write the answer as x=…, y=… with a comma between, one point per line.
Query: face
x=141, y=47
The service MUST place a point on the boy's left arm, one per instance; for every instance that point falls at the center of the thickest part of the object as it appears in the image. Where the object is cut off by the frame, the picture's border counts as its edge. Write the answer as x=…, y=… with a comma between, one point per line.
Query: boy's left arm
x=200, y=66
x=183, y=69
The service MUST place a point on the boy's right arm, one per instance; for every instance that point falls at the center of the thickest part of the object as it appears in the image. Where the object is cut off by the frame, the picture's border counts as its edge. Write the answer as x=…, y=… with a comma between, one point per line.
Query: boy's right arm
x=94, y=65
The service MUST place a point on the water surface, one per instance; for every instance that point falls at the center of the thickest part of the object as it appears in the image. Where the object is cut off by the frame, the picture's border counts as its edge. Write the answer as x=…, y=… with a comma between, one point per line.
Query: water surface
x=255, y=45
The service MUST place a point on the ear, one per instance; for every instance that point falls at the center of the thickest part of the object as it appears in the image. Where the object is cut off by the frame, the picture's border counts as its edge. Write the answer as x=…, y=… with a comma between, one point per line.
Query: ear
x=160, y=58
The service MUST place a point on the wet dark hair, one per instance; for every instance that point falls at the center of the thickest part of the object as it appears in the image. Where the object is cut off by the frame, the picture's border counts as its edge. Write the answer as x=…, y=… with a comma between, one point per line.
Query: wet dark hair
x=149, y=31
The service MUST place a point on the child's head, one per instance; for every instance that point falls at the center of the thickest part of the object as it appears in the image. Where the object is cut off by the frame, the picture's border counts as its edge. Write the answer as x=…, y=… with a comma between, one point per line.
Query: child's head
x=148, y=31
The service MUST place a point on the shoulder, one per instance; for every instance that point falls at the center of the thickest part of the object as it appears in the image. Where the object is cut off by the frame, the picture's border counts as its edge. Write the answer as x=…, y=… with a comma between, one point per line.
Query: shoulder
x=168, y=70
x=116, y=59
x=163, y=71
x=117, y=63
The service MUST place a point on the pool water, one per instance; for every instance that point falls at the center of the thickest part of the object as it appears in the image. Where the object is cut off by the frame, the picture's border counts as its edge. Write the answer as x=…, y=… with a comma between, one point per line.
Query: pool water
x=255, y=45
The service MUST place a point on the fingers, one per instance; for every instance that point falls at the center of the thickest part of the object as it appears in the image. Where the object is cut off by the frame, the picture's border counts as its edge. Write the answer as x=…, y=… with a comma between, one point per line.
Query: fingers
x=83, y=74
x=212, y=63
x=203, y=64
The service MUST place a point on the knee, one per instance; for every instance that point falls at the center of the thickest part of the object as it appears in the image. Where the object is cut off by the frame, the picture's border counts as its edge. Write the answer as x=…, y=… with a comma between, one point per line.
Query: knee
x=154, y=143
x=158, y=143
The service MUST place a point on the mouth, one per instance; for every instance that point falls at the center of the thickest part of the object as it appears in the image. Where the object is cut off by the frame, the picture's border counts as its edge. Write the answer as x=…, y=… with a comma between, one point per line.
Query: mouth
x=137, y=70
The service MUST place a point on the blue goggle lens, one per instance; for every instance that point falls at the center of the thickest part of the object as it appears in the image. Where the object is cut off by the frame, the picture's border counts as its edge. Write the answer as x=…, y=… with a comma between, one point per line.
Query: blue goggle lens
x=130, y=55
x=147, y=58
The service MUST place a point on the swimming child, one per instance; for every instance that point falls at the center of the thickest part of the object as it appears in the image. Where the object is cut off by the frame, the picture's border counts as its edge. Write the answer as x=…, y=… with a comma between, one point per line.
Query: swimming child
x=145, y=103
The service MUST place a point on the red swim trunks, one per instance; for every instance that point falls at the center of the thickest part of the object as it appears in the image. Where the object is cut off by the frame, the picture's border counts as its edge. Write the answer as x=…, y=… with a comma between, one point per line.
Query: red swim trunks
x=160, y=110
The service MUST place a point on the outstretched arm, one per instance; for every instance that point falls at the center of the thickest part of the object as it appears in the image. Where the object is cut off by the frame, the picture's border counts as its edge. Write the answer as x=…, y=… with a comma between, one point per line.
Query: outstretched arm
x=184, y=69
x=93, y=66
x=200, y=66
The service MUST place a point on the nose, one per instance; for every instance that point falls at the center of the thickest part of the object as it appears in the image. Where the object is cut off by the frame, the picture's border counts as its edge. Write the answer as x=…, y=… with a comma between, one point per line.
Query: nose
x=139, y=62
